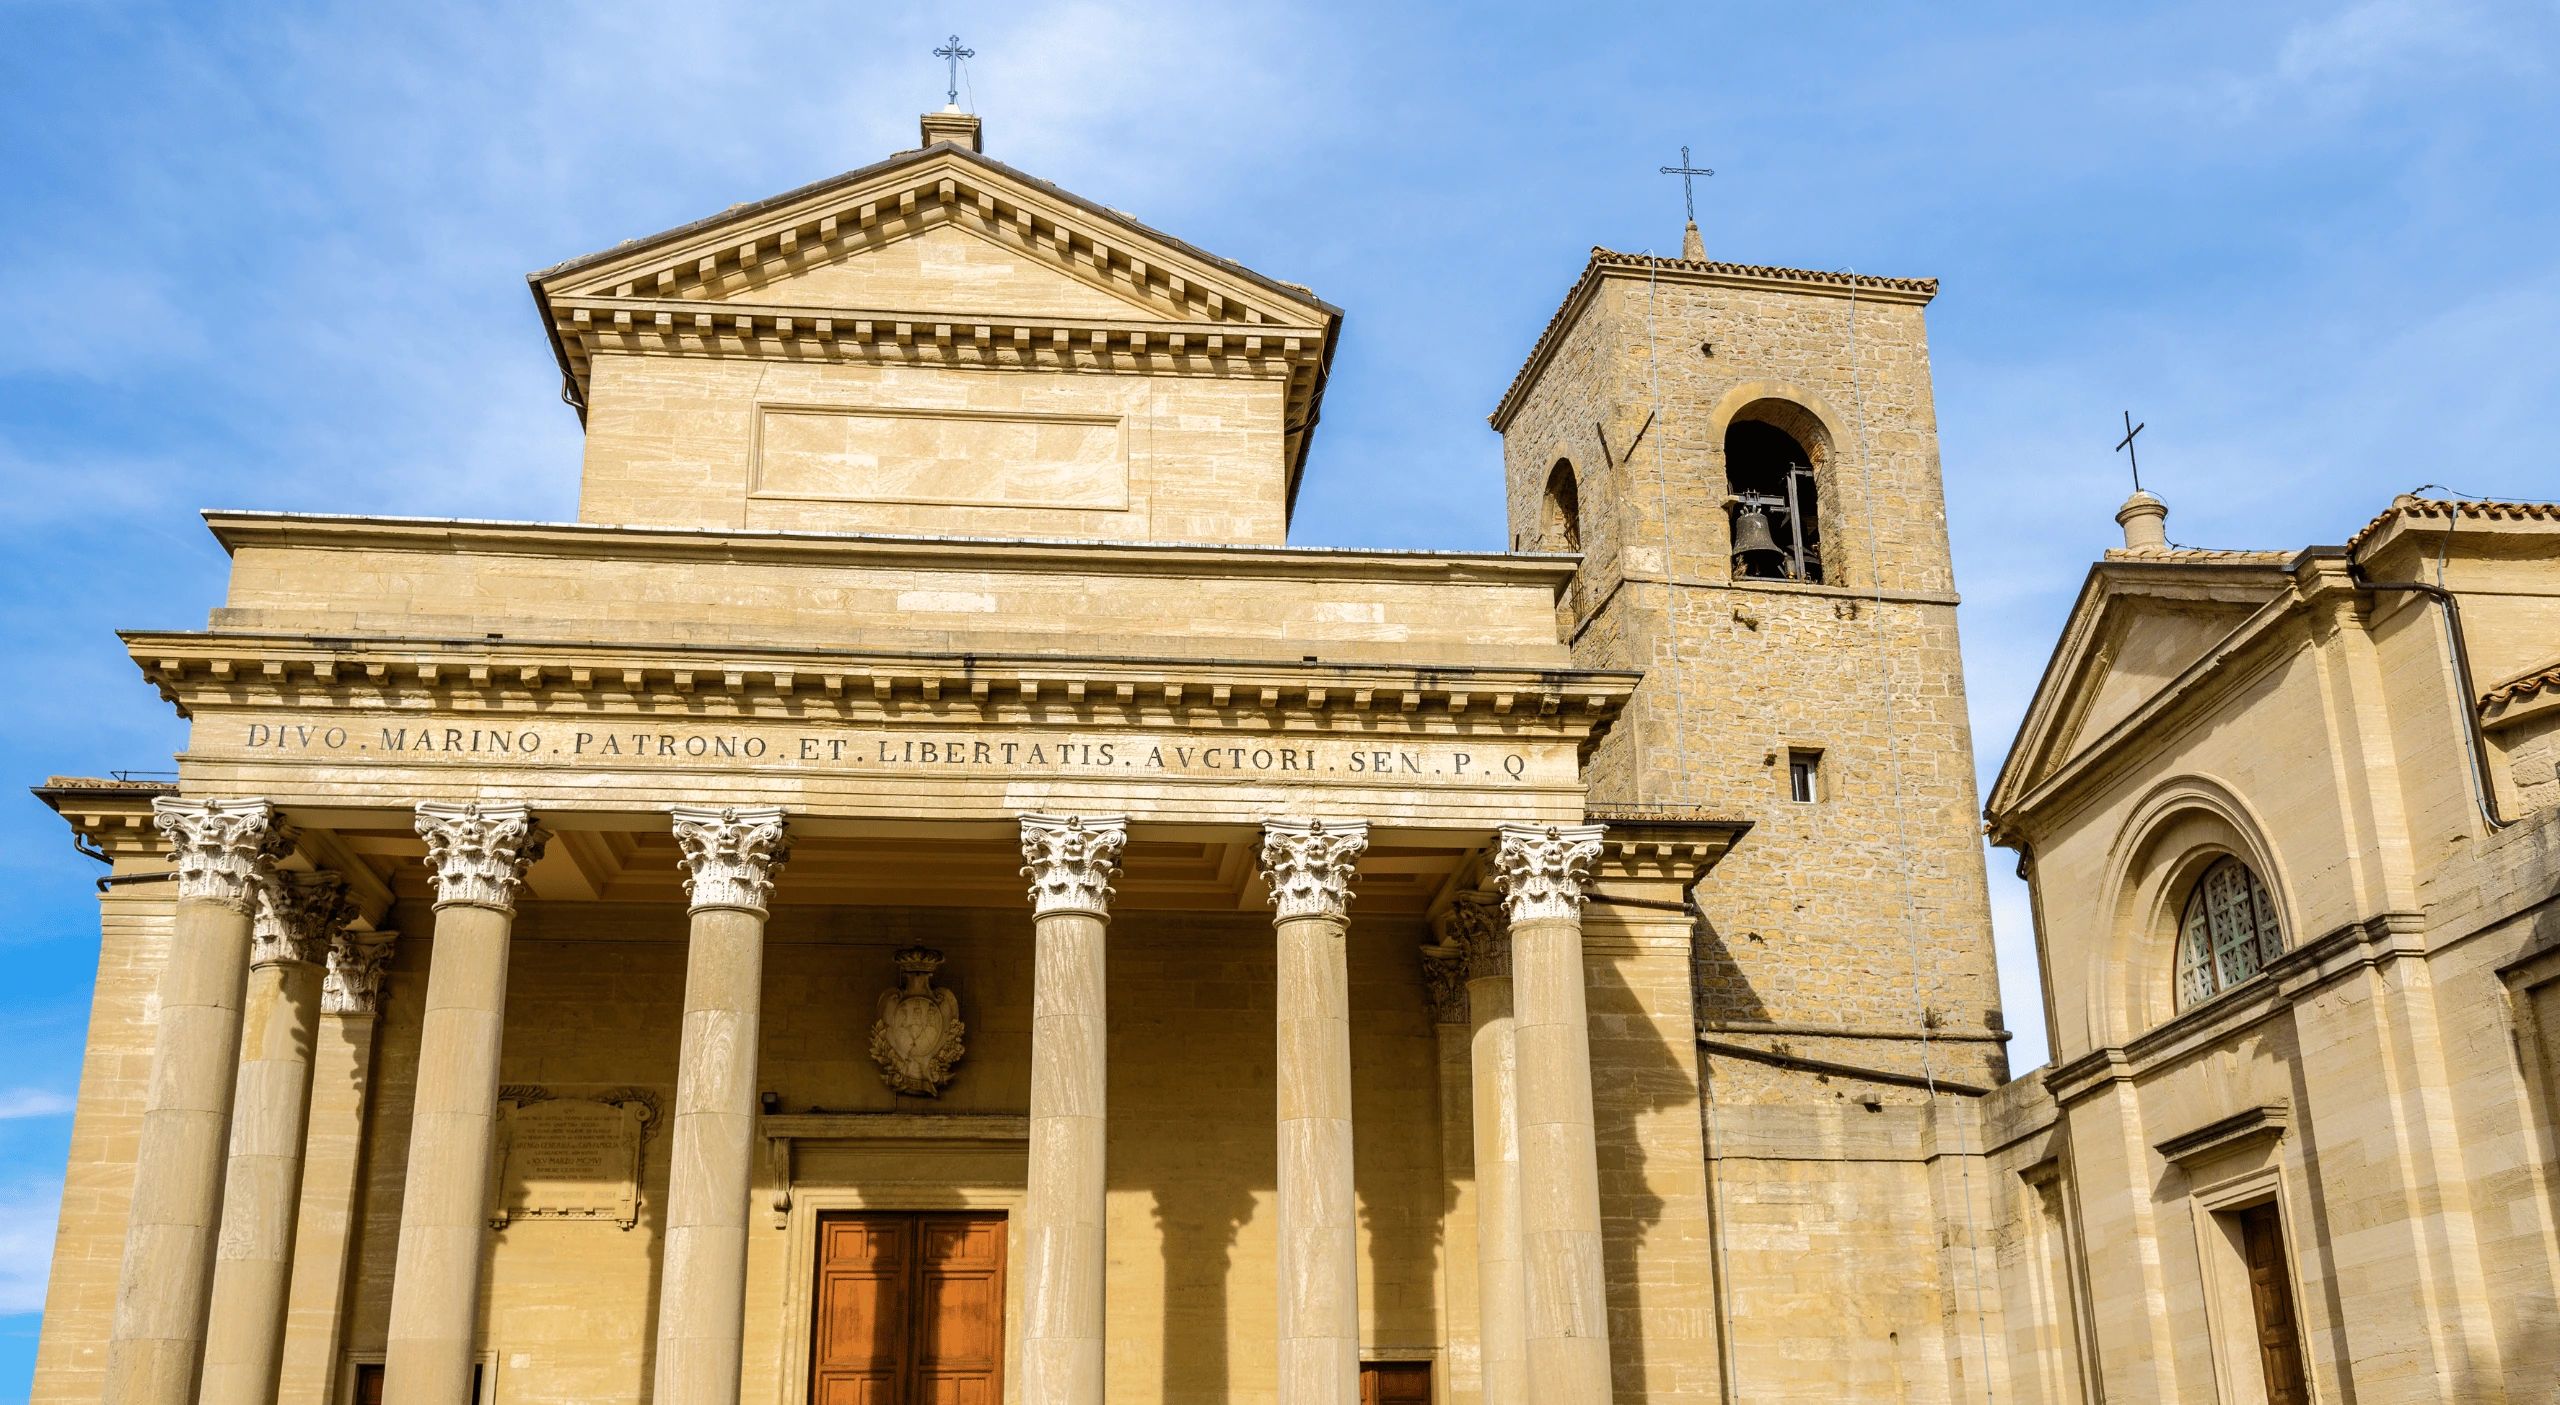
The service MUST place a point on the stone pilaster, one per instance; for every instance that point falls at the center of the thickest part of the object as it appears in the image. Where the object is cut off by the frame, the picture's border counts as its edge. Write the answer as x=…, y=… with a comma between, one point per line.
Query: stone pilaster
x=730, y=857
x=1541, y=873
x=1309, y=867
x=476, y=857
x=1070, y=862
x=223, y=850
x=298, y=916
x=332, y=1156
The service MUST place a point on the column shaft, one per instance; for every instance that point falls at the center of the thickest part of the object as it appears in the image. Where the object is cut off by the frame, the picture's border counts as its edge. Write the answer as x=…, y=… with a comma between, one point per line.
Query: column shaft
x=1319, y=1231
x=702, y=1297
x=223, y=849
x=444, y=1207
x=332, y=1158
x=252, y=1272
x=1501, y=1291
x=157, y=1342
x=1567, y=1322
x=1064, y=1206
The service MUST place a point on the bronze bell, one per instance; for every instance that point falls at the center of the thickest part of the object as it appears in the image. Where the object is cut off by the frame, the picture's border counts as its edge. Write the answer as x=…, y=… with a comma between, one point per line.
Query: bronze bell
x=1751, y=532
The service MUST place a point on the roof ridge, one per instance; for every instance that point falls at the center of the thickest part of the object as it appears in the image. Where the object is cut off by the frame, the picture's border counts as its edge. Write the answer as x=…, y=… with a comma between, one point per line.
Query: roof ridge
x=2531, y=681
x=2409, y=505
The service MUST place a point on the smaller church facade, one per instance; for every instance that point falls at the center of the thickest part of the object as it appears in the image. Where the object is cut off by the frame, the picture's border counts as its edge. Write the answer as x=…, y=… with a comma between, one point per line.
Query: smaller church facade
x=2292, y=829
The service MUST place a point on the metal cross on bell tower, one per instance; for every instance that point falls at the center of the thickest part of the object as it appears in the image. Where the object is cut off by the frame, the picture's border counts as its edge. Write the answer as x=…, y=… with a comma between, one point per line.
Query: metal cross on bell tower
x=954, y=53
x=1691, y=245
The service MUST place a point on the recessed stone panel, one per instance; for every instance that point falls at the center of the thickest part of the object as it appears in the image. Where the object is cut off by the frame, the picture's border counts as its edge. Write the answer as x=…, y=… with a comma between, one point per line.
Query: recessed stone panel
x=970, y=458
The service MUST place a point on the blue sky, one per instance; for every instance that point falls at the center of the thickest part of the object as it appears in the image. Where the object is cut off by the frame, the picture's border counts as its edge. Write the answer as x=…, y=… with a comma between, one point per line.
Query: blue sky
x=271, y=256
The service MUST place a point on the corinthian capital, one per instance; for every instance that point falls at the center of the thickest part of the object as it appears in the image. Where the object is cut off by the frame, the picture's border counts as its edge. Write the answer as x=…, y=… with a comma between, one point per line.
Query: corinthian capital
x=1473, y=927
x=731, y=855
x=1308, y=865
x=1541, y=871
x=1071, y=861
x=356, y=963
x=297, y=915
x=477, y=854
x=221, y=846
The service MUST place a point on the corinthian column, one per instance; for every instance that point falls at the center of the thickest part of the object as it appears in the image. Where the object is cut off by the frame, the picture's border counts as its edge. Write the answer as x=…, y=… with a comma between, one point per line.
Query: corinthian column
x=730, y=857
x=332, y=1156
x=1541, y=873
x=1070, y=863
x=1308, y=867
x=223, y=848
x=298, y=915
x=476, y=856
x=1476, y=929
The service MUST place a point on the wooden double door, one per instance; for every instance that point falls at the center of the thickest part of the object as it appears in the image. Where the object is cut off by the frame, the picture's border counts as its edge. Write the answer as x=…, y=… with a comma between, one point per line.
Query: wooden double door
x=910, y=1310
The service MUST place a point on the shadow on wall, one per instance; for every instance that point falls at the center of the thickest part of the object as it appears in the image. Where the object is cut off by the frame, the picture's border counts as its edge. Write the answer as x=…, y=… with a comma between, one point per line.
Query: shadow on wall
x=1724, y=991
x=1644, y=1076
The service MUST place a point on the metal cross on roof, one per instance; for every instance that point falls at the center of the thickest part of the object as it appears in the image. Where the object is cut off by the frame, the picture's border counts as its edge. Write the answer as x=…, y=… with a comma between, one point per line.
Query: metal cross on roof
x=1684, y=171
x=2126, y=445
x=953, y=52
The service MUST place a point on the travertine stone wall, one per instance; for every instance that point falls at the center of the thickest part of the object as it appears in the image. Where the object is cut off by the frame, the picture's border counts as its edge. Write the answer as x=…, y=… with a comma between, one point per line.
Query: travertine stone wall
x=115, y=1072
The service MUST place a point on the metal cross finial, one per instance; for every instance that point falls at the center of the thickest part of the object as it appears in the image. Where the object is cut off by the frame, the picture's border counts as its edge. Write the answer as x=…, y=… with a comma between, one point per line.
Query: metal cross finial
x=2126, y=444
x=1684, y=171
x=954, y=53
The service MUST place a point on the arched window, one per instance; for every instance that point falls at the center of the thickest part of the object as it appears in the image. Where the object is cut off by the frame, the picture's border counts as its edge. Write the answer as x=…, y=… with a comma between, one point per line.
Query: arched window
x=1777, y=522
x=1560, y=518
x=2228, y=932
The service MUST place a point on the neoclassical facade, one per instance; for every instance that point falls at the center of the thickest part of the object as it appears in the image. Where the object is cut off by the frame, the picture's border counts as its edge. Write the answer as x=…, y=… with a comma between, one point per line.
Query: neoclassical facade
x=922, y=893
x=2293, y=836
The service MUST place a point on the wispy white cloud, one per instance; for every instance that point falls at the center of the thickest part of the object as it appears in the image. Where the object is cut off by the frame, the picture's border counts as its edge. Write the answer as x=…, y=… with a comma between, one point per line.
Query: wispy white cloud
x=29, y=1210
x=33, y=1102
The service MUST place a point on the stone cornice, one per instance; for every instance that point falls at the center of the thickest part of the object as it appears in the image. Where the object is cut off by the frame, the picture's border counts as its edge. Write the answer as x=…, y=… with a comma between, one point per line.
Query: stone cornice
x=1606, y=264
x=2247, y=1127
x=109, y=819
x=531, y=676
x=239, y=530
x=2238, y=657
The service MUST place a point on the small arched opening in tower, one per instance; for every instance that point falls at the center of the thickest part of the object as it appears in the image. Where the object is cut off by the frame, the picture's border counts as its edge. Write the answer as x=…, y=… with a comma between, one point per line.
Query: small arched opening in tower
x=1560, y=516
x=1773, y=505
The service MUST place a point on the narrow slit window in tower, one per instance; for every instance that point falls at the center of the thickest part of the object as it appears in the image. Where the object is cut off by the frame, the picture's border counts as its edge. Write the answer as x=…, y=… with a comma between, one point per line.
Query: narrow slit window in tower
x=1560, y=520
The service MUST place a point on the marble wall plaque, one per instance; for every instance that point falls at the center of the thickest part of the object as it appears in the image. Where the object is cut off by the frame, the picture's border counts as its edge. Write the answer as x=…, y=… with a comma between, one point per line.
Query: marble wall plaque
x=569, y=1156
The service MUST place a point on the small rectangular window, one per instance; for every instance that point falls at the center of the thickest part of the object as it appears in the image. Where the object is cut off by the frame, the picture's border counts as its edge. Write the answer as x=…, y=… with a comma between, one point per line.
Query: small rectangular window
x=1804, y=776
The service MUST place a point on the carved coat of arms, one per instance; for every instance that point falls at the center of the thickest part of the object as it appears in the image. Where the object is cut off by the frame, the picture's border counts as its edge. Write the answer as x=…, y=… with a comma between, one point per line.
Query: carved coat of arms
x=917, y=1039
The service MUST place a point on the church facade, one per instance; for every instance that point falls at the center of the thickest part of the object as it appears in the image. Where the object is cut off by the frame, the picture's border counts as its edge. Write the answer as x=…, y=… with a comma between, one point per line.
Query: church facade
x=2292, y=830
x=922, y=893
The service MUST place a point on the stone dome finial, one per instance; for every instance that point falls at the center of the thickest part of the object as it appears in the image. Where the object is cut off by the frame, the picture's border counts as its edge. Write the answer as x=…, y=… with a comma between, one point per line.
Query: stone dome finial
x=2144, y=519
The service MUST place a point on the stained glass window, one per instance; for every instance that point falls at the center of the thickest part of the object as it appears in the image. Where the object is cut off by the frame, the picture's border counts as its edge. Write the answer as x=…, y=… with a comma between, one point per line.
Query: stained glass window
x=2229, y=931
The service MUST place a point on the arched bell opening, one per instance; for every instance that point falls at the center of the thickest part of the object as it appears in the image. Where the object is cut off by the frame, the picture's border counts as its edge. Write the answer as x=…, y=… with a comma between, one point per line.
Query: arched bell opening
x=1560, y=513
x=1776, y=508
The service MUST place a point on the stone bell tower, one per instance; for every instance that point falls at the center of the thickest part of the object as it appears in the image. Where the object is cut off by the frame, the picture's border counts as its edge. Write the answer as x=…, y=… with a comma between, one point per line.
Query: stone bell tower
x=1746, y=459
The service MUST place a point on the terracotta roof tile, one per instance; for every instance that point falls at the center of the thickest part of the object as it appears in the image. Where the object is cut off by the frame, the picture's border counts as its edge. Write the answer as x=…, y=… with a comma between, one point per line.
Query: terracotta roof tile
x=2202, y=554
x=2543, y=680
x=2424, y=508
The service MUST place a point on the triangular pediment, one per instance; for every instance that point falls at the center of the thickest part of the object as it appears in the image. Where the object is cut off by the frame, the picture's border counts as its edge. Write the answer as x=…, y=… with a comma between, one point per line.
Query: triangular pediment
x=942, y=232
x=2134, y=632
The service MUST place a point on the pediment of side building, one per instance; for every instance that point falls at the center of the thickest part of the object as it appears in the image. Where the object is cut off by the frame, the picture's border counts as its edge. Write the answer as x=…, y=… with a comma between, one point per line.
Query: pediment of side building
x=2128, y=641
x=937, y=232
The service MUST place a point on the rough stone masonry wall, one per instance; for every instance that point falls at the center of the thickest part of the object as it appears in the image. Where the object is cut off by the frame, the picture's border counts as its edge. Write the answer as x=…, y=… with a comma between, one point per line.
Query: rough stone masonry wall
x=1844, y=1243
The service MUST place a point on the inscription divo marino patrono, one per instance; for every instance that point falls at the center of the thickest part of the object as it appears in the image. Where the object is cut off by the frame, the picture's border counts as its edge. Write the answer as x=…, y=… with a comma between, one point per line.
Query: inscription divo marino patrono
x=882, y=752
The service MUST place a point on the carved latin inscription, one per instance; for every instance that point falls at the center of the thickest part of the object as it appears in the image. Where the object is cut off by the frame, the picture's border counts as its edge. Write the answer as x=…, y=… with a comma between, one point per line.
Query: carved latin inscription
x=569, y=1157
